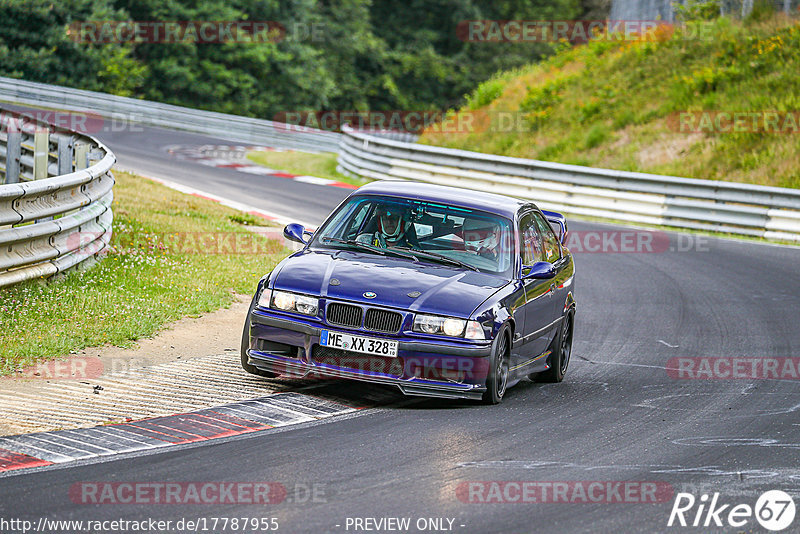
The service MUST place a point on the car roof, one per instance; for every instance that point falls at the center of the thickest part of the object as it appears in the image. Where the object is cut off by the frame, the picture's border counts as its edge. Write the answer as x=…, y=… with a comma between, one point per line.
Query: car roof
x=454, y=196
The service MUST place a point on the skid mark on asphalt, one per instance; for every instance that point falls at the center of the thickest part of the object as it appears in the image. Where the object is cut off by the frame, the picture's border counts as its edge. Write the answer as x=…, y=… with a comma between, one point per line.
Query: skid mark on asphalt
x=666, y=403
x=736, y=442
x=255, y=415
x=651, y=468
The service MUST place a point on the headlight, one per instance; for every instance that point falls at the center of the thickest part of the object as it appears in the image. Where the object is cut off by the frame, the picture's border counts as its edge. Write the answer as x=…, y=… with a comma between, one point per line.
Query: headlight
x=453, y=327
x=433, y=324
x=428, y=324
x=283, y=300
x=306, y=305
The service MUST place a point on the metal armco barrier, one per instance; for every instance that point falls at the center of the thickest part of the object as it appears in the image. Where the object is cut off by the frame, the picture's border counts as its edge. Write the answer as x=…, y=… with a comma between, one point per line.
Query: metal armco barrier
x=55, y=199
x=744, y=209
x=130, y=110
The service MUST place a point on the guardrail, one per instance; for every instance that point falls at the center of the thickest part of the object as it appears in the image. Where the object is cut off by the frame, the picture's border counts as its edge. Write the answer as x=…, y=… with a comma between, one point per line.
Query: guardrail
x=229, y=127
x=55, y=199
x=744, y=209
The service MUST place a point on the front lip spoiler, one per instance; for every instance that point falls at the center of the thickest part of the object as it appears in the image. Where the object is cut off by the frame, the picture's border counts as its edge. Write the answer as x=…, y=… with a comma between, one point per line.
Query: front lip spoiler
x=411, y=386
x=479, y=351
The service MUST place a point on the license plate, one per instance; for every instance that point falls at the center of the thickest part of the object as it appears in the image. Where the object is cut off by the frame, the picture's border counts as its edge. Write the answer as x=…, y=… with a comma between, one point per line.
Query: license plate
x=364, y=345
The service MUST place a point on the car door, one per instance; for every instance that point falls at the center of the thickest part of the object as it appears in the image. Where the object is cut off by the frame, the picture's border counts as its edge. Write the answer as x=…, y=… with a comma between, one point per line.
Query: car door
x=535, y=336
x=554, y=254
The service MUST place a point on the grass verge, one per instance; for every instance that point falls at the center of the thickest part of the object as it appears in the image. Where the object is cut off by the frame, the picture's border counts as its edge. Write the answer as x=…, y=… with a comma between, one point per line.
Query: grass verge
x=321, y=165
x=173, y=255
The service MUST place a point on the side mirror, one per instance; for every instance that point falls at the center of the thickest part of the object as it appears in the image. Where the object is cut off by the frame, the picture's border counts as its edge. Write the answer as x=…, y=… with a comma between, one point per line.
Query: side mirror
x=295, y=232
x=541, y=270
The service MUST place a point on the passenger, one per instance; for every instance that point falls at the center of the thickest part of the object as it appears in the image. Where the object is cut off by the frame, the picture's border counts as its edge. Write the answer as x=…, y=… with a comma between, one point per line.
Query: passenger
x=482, y=237
x=391, y=227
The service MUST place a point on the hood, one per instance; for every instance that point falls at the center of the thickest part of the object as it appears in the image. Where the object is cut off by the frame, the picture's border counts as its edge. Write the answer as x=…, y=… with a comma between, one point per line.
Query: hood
x=442, y=289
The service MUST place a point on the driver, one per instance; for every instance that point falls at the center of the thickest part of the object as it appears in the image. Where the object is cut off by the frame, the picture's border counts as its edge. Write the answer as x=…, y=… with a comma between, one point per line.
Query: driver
x=482, y=237
x=393, y=228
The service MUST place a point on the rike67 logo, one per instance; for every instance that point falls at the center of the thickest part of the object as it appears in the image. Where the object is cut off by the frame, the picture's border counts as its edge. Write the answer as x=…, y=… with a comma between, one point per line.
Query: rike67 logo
x=774, y=510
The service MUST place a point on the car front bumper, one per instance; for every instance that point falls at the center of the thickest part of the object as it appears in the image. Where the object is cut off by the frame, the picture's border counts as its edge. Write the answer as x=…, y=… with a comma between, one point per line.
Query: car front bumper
x=432, y=368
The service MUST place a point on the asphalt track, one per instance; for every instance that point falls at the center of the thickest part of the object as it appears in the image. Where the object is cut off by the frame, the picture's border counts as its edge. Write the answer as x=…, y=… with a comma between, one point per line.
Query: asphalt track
x=618, y=416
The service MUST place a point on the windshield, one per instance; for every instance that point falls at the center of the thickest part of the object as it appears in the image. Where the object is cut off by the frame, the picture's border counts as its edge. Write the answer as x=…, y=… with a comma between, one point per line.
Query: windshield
x=425, y=231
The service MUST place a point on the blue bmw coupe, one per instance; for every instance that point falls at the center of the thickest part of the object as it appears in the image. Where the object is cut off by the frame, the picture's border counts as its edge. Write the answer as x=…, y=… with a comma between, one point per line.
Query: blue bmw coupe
x=439, y=291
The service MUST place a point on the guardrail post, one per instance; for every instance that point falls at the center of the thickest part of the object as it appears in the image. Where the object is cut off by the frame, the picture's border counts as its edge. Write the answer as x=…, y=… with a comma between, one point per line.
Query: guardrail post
x=64, y=154
x=41, y=159
x=41, y=149
x=81, y=156
x=13, y=153
x=94, y=155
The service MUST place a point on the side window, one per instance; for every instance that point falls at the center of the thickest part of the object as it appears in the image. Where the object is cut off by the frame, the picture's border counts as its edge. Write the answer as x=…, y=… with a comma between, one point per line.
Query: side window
x=530, y=240
x=552, y=249
x=355, y=221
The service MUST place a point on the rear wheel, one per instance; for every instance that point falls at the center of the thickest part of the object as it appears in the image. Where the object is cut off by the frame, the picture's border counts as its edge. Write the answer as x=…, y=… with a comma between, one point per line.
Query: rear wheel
x=246, y=345
x=559, y=360
x=497, y=381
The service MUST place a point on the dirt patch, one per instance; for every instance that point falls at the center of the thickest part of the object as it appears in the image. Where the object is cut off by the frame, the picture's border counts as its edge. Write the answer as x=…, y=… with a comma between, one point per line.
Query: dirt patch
x=667, y=149
x=187, y=338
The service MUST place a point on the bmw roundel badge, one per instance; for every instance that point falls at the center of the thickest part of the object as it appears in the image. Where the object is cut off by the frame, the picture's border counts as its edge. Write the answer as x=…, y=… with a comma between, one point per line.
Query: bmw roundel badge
x=370, y=295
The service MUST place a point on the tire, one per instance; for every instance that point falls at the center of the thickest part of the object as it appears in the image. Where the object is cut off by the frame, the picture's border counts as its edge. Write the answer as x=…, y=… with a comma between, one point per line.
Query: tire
x=559, y=361
x=246, y=344
x=497, y=381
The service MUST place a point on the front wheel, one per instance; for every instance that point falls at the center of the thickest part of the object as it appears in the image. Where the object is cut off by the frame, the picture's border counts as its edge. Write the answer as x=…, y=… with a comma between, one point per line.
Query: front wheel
x=246, y=345
x=497, y=381
x=559, y=360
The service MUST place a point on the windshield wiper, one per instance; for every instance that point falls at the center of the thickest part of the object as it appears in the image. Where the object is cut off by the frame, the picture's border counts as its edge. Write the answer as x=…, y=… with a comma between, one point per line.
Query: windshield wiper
x=378, y=250
x=436, y=256
x=357, y=244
